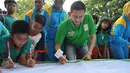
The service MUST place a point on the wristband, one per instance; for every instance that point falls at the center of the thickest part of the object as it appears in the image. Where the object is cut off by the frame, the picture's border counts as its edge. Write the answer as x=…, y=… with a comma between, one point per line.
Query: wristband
x=90, y=53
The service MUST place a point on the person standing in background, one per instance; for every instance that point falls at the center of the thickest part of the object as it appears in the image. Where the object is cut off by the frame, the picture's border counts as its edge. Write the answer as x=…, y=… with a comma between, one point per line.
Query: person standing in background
x=119, y=35
x=56, y=14
x=8, y=18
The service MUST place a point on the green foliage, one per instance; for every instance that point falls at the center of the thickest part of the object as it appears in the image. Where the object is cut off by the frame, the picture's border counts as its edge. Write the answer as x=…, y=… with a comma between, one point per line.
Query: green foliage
x=23, y=6
x=111, y=9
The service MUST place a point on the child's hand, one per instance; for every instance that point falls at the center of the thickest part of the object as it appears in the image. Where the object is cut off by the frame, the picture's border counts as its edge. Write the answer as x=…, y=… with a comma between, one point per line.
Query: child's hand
x=30, y=62
x=8, y=63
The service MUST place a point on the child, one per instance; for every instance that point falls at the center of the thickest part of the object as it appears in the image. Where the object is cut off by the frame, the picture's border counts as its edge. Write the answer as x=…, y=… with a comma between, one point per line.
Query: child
x=37, y=37
x=9, y=18
x=29, y=17
x=15, y=47
x=102, y=39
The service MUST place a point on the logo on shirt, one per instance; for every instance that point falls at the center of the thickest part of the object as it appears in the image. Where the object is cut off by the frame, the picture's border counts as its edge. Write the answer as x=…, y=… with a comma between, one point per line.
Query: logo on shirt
x=85, y=27
x=71, y=33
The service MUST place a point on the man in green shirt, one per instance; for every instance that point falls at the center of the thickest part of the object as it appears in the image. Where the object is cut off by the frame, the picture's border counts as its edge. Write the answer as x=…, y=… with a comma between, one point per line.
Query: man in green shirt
x=14, y=48
x=75, y=31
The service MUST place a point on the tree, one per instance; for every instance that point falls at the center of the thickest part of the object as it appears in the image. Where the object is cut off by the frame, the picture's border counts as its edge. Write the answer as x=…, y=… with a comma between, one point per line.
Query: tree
x=111, y=9
x=23, y=6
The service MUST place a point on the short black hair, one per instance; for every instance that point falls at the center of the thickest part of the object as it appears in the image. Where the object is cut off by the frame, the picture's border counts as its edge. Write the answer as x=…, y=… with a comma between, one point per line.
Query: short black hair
x=9, y=1
x=78, y=5
x=20, y=27
x=40, y=19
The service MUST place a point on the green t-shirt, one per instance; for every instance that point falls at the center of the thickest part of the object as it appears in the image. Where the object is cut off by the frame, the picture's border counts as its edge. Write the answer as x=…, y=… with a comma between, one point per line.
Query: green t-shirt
x=3, y=30
x=14, y=54
x=78, y=36
x=8, y=20
x=102, y=38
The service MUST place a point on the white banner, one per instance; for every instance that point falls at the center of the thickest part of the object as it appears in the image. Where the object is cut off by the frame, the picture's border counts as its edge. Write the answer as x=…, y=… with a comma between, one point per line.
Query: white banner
x=110, y=66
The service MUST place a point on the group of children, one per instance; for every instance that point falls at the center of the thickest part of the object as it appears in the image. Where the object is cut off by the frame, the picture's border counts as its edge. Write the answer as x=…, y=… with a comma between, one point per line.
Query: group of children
x=29, y=46
x=113, y=37
x=44, y=32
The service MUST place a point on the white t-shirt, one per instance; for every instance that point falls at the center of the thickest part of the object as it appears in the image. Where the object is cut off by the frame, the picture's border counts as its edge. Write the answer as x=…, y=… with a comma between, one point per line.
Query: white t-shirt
x=34, y=40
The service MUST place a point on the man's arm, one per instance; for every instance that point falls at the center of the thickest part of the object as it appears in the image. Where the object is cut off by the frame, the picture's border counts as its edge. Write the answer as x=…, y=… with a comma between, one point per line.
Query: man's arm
x=62, y=59
x=92, y=43
x=91, y=46
x=57, y=46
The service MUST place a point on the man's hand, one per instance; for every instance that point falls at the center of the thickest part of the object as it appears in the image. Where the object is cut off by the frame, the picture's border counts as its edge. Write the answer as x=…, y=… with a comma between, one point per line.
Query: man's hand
x=62, y=59
x=87, y=56
x=8, y=63
x=30, y=62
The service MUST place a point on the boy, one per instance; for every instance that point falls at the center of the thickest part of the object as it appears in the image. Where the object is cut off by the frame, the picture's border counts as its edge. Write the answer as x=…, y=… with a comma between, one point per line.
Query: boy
x=29, y=17
x=14, y=48
x=9, y=18
x=37, y=37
